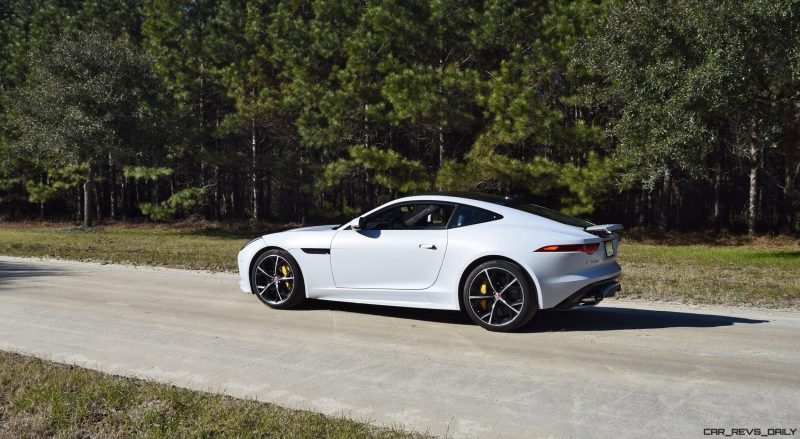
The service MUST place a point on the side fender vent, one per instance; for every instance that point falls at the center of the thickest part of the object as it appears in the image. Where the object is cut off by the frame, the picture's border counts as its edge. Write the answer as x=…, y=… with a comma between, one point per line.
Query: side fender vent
x=317, y=251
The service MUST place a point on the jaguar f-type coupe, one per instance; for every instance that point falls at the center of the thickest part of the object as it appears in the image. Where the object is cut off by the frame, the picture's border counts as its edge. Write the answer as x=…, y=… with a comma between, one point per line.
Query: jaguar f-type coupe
x=499, y=259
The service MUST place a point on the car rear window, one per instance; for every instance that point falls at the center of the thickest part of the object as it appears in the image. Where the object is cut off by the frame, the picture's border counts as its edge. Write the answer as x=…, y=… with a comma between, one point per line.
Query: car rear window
x=551, y=214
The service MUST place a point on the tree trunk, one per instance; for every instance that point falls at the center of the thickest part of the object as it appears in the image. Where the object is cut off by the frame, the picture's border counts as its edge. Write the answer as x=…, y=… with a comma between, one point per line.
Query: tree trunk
x=441, y=146
x=123, y=193
x=752, y=205
x=268, y=194
x=136, y=192
x=112, y=187
x=439, y=127
x=41, y=202
x=367, y=192
x=255, y=170
x=666, y=199
x=788, y=207
x=234, y=213
x=98, y=201
x=676, y=202
x=366, y=125
x=644, y=197
x=300, y=194
x=218, y=199
x=717, y=197
x=88, y=197
x=80, y=203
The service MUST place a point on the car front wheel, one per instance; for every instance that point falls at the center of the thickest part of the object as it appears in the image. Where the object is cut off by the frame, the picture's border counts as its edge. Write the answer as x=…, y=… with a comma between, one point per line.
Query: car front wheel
x=498, y=296
x=276, y=280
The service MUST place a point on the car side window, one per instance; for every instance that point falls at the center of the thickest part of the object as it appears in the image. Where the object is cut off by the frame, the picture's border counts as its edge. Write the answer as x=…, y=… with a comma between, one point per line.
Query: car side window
x=421, y=216
x=469, y=215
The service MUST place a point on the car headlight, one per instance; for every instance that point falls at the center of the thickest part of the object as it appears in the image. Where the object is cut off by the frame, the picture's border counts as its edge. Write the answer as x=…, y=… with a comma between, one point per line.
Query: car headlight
x=249, y=242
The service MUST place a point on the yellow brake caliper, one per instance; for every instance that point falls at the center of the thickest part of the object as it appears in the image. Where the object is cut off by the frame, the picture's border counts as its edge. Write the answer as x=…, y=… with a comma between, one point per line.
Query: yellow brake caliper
x=285, y=270
x=484, y=303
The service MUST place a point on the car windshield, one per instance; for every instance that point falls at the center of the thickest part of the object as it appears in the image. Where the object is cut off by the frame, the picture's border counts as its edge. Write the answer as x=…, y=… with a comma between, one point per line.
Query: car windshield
x=551, y=214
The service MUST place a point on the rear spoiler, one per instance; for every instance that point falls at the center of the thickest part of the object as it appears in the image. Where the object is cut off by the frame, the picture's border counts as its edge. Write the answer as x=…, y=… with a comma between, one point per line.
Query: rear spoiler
x=603, y=229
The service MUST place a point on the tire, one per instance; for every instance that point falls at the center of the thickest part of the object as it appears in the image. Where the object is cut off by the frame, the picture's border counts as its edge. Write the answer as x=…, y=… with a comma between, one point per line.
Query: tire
x=510, y=301
x=287, y=290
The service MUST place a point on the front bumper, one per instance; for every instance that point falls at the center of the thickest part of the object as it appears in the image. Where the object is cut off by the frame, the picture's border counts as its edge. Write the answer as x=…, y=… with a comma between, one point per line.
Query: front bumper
x=244, y=259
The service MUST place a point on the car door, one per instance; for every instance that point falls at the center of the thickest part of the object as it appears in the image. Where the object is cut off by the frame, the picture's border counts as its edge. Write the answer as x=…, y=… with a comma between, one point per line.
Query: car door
x=401, y=247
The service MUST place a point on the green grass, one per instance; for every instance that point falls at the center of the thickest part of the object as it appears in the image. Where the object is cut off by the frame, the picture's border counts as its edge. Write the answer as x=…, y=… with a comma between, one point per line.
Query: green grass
x=764, y=272
x=207, y=249
x=43, y=399
x=760, y=274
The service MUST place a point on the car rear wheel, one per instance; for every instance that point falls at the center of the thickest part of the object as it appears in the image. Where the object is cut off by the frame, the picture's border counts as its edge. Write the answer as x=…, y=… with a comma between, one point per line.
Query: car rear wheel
x=498, y=296
x=276, y=280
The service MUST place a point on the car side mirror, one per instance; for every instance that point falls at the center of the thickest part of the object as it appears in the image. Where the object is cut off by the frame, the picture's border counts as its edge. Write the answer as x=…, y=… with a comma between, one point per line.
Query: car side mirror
x=362, y=223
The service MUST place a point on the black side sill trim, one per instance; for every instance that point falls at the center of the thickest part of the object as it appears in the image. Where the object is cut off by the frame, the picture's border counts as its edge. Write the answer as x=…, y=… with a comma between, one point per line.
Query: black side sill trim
x=317, y=251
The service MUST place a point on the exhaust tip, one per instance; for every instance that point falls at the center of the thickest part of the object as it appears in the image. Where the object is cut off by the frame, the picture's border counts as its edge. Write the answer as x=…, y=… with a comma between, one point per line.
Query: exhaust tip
x=611, y=290
x=592, y=299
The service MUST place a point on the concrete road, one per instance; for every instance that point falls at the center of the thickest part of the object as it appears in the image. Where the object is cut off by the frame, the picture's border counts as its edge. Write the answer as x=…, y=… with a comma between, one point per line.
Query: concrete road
x=618, y=370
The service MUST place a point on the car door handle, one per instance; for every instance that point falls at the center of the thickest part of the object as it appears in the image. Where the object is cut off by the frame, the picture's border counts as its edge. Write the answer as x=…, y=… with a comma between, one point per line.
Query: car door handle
x=428, y=246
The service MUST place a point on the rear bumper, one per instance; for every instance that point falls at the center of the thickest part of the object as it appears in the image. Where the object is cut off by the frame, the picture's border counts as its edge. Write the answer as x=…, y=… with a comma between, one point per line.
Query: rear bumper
x=591, y=294
x=556, y=285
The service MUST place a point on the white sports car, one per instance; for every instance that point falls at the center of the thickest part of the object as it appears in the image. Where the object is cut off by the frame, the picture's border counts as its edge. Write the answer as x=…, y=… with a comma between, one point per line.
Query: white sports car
x=499, y=259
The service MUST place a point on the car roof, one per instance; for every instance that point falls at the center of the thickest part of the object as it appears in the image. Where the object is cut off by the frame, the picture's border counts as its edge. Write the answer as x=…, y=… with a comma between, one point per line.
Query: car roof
x=477, y=196
x=508, y=206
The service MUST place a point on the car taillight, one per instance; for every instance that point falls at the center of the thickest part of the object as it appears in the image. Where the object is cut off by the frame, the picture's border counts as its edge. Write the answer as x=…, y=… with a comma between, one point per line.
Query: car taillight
x=586, y=248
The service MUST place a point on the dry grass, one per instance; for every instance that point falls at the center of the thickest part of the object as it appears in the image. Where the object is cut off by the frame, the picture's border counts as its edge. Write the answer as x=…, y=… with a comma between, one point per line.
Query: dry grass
x=689, y=268
x=209, y=248
x=43, y=399
x=763, y=273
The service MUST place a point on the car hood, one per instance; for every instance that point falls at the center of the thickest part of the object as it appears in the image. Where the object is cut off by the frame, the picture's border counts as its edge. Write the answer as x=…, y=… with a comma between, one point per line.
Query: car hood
x=315, y=228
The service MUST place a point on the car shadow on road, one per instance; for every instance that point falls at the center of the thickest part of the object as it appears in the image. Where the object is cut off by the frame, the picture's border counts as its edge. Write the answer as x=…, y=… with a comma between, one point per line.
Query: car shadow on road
x=426, y=315
x=600, y=318
x=610, y=318
x=10, y=270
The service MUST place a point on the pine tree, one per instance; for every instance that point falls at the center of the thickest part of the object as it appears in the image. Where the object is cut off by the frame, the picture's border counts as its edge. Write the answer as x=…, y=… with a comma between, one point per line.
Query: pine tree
x=90, y=97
